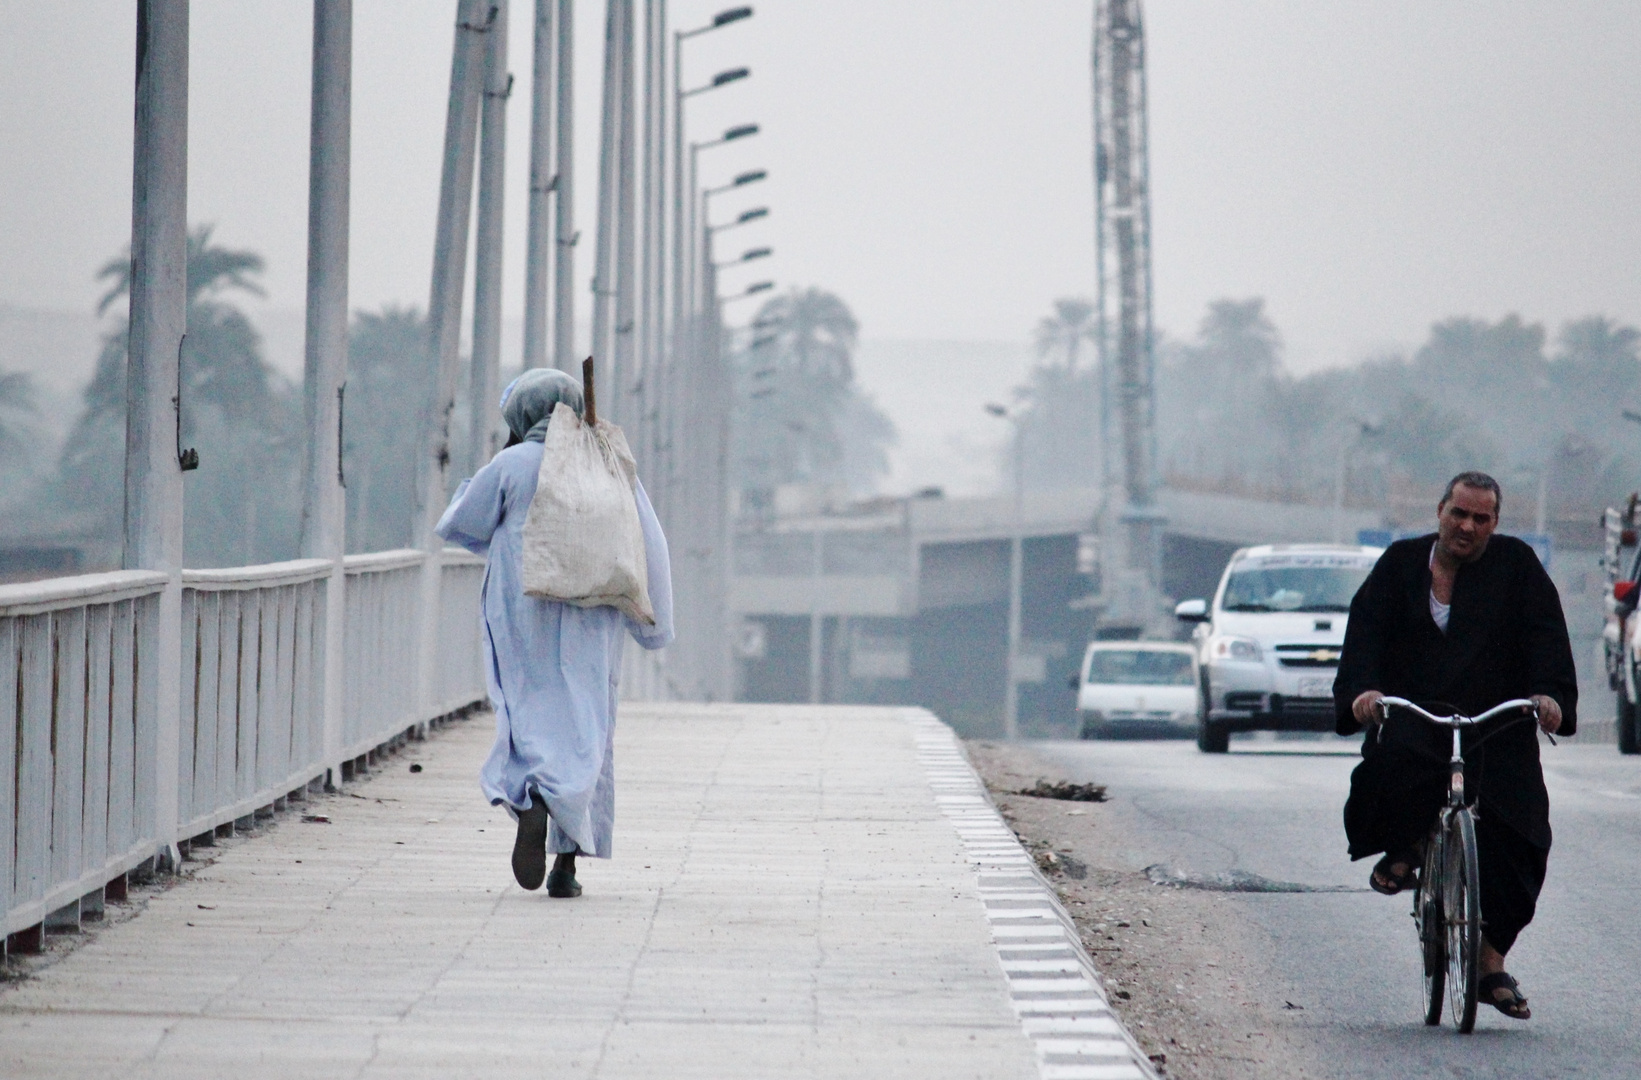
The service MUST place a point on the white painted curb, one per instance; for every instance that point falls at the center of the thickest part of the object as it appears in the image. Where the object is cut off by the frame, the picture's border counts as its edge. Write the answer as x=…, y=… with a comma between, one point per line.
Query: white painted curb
x=1053, y=986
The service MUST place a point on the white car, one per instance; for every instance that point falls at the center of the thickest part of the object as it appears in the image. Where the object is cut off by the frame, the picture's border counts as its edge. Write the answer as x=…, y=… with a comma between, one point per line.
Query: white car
x=1137, y=687
x=1269, y=646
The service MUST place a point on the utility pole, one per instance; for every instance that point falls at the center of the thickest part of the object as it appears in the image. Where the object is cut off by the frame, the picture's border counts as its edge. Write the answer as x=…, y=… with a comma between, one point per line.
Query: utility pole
x=564, y=234
x=651, y=402
x=486, y=433
x=325, y=360
x=444, y=307
x=626, y=233
x=608, y=150
x=1123, y=204
x=153, y=389
x=538, y=239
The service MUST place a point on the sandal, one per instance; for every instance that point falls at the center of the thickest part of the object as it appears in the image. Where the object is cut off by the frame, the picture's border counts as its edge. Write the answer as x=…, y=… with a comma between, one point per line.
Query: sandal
x=1514, y=1006
x=1383, y=880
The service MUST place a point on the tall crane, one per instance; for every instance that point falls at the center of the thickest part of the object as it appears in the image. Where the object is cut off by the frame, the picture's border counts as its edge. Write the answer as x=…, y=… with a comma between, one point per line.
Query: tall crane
x=1122, y=215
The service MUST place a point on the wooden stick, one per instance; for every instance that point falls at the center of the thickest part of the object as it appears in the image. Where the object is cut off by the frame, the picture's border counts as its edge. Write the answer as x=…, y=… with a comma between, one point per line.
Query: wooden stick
x=590, y=415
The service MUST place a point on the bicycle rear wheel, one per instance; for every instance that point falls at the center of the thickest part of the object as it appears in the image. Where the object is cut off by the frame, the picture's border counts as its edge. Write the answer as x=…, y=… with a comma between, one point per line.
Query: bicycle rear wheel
x=1461, y=903
x=1427, y=916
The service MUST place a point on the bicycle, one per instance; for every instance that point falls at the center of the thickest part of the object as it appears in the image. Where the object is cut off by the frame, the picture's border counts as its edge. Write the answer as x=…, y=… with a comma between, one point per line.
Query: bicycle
x=1447, y=899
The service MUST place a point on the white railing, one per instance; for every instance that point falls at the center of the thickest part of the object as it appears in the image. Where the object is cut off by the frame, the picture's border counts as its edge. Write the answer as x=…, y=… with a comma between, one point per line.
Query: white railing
x=253, y=688
x=383, y=632
x=79, y=746
x=76, y=738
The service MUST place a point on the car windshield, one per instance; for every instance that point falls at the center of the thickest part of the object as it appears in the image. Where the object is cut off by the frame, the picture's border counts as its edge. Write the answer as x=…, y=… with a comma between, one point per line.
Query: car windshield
x=1295, y=582
x=1141, y=667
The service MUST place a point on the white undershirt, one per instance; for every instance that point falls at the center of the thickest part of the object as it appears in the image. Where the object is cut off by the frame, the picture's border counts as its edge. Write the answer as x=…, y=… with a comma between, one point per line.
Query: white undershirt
x=1439, y=612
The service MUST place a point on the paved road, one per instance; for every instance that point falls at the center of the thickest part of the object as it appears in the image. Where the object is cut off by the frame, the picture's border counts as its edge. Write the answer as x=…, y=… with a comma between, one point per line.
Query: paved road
x=1272, y=808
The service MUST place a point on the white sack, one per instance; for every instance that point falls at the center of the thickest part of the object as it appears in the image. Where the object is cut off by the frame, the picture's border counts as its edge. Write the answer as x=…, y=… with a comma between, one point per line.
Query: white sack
x=583, y=543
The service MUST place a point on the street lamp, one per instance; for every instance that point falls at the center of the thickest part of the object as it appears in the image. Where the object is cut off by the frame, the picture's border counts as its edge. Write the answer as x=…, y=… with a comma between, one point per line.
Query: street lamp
x=1360, y=430
x=691, y=233
x=1011, y=693
x=746, y=256
x=680, y=237
x=740, y=181
x=750, y=290
x=745, y=217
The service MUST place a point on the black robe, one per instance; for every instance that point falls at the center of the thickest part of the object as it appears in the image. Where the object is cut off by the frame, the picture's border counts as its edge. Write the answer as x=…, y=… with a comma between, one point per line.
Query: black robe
x=1506, y=638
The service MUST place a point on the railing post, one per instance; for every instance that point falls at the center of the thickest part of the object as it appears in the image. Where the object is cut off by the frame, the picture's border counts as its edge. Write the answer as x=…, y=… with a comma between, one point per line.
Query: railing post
x=158, y=322
x=324, y=496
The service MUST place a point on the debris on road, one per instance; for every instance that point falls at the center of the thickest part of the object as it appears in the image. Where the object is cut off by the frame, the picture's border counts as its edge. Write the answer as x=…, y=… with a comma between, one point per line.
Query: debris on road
x=1232, y=881
x=316, y=819
x=1060, y=789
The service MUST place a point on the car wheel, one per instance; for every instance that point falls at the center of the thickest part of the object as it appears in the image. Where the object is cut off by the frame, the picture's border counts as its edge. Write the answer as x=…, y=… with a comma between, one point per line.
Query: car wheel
x=1629, y=739
x=1093, y=729
x=1212, y=738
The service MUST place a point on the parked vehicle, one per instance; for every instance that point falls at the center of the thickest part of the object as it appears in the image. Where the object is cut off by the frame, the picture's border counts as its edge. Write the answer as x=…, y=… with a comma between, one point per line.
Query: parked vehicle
x=1621, y=634
x=1137, y=688
x=1268, y=646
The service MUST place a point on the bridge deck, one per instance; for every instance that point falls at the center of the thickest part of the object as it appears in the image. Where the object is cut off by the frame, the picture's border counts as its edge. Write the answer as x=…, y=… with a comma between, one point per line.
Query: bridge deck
x=787, y=898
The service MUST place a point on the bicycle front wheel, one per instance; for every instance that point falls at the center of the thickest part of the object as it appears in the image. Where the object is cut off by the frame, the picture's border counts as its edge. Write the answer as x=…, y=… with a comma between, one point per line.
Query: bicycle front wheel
x=1461, y=903
x=1427, y=915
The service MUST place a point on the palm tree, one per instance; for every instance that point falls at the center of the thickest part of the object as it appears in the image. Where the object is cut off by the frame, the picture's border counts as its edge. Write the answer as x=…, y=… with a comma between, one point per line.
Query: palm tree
x=245, y=421
x=1063, y=333
x=16, y=408
x=799, y=418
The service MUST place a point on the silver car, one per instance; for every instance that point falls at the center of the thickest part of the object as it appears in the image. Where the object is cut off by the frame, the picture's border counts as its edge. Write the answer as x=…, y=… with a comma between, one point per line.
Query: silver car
x=1268, y=647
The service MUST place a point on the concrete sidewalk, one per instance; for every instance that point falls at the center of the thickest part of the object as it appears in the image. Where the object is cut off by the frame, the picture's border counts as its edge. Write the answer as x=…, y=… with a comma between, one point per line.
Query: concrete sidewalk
x=797, y=891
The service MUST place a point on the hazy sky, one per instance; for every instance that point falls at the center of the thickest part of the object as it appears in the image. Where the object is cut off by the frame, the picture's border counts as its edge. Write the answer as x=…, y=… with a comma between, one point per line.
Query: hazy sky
x=1368, y=166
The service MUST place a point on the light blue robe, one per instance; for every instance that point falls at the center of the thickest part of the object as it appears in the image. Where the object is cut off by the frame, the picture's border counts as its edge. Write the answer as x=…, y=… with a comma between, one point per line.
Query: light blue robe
x=552, y=668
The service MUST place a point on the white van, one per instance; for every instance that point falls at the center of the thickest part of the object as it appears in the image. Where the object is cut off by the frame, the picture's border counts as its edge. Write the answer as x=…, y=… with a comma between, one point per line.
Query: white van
x=1137, y=688
x=1268, y=648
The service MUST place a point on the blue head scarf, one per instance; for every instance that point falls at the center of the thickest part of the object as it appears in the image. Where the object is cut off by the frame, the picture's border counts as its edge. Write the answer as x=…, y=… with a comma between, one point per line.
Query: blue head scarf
x=527, y=403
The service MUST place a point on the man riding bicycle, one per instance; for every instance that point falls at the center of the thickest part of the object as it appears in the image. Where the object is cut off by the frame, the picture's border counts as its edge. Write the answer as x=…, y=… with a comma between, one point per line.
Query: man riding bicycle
x=1465, y=619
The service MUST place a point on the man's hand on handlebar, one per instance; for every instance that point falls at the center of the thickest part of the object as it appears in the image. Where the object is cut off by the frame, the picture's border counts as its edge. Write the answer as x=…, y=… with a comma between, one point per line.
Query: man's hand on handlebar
x=1366, y=708
x=1549, y=713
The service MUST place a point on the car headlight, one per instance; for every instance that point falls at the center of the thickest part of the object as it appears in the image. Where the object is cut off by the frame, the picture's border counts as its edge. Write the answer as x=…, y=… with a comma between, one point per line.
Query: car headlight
x=1233, y=648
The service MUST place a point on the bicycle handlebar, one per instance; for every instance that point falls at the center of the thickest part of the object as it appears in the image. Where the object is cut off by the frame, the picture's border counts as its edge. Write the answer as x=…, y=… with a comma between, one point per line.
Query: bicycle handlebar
x=1457, y=721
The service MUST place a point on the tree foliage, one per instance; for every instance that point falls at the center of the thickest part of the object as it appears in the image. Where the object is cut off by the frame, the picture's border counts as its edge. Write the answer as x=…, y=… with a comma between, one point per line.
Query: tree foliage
x=241, y=505
x=798, y=415
x=1494, y=395
x=391, y=377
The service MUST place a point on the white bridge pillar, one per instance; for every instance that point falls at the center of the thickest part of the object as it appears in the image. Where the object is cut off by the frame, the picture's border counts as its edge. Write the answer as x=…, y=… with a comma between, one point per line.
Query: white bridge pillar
x=158, y=322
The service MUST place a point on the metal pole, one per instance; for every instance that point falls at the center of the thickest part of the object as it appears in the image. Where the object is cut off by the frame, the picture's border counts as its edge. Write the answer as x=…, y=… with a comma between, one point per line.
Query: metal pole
x=564, y=205
x=678, y=232
x=649, y=401
x=1011, y=697
x=623, y=381
x=450, y=258
x=325, y=366
x=817, y=622
x=486, y=432
x=609, y=122
x=444, y=308
x=538, y=239
x=153, y=390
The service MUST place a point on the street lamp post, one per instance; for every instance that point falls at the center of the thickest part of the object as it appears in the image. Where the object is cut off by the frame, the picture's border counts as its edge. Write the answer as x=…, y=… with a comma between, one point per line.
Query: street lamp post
x=1011, y=694
x=1360, y=429
x=679, y=94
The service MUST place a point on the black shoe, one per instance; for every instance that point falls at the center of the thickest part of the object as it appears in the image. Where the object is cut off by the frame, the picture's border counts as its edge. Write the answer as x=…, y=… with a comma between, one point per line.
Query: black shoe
x=563, y=885
x=530, y=846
